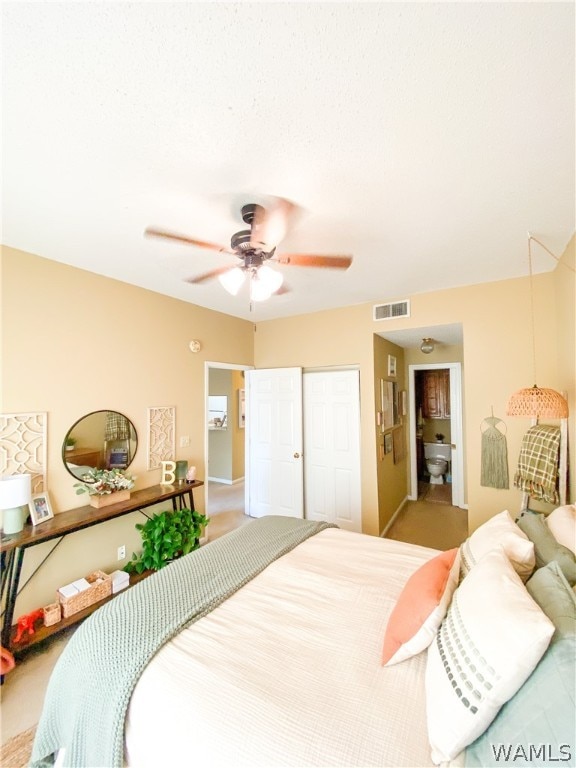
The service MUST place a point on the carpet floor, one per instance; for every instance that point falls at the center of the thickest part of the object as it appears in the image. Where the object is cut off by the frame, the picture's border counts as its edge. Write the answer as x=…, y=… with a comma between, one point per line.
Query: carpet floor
x=15, y=753
x=436, y=525
x=439, y=494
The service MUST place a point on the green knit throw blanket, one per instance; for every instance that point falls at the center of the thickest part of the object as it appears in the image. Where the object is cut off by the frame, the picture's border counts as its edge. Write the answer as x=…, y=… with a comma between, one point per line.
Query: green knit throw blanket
x=90, y=689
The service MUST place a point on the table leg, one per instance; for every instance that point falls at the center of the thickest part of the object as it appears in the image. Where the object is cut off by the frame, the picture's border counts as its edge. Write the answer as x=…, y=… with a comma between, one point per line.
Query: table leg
x=13, y=579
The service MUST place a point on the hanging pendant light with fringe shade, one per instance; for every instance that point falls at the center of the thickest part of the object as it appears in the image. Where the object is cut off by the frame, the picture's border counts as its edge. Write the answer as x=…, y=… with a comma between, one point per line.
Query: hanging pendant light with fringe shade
x=536, y=402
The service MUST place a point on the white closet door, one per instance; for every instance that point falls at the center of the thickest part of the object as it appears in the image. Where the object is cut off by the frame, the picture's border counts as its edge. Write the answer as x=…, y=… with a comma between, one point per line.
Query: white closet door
x=332, y=448
x=274, y=439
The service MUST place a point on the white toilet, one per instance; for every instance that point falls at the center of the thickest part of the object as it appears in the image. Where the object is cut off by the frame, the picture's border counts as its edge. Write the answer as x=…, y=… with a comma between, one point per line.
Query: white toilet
x=437, y=456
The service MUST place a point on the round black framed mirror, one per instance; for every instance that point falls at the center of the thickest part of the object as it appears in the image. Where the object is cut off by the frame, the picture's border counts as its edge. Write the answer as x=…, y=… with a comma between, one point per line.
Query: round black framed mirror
x=99, y=440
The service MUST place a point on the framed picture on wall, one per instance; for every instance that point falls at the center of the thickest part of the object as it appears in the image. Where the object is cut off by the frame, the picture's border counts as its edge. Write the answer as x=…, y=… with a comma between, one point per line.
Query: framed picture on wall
x=40, y=508
x=391, y=365
x=388, y=442
x=399, y=443
x=241, y=408
x=403, y=402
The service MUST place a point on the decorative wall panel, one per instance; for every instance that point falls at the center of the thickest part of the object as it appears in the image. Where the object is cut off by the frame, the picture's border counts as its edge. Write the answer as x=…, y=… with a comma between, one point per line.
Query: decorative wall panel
x=161, y=435
x=23, y=446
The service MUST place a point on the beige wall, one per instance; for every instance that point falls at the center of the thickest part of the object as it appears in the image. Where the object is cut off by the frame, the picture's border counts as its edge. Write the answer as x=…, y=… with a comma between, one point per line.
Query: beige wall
x=565, y=302
x=392, y=477
x=75, y=342
x=238, y=433
x=497, y=360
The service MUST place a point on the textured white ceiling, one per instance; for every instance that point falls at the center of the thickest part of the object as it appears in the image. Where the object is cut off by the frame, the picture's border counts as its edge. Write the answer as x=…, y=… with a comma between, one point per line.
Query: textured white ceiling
x=425, y=139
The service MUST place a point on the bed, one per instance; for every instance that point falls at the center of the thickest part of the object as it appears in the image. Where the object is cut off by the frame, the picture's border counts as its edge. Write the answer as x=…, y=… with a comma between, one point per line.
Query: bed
x=284, y=666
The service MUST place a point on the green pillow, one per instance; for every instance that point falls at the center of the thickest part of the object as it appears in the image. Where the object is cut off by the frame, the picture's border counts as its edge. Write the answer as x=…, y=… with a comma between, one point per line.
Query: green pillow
x=536, y=727
x=546, y=548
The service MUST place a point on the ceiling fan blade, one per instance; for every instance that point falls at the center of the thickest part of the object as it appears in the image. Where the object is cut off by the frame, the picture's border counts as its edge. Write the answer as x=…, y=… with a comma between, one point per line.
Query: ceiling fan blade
x=207, y=275
x=151, y=232
x=310, y=260
x=270, y=225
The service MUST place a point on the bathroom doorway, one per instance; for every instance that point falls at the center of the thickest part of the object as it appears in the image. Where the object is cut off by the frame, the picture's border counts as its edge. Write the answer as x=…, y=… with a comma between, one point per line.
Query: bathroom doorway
x=437, y=467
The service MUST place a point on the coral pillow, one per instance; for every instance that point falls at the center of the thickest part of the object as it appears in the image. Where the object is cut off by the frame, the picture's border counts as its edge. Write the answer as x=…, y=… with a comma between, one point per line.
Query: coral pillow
x=422, y=605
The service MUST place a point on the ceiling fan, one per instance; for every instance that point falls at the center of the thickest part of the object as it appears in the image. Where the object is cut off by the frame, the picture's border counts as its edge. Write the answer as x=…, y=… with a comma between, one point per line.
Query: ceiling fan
x=256, y=249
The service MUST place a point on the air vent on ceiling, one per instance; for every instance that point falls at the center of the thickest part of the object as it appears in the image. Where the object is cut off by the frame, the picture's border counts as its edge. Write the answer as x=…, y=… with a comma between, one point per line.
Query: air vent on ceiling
x=392, y=310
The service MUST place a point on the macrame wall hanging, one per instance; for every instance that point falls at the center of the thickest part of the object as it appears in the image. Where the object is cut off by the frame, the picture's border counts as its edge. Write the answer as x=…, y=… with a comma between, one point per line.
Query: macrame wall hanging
x=494, y=468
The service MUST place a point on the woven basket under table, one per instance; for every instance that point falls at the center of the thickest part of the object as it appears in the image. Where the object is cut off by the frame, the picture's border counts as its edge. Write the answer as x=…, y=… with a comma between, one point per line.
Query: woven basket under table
x=100, y=587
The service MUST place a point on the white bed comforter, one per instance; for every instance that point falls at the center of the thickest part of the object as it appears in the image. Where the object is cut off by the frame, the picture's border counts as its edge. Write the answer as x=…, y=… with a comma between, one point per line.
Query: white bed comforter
x=287, y=671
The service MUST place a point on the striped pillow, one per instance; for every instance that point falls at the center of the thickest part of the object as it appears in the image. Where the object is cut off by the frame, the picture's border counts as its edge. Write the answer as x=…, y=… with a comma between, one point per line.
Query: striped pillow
x=490, y=641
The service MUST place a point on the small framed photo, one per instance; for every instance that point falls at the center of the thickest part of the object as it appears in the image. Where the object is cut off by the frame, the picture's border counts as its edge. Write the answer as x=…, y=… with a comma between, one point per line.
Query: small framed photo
x=391, y=365
x=403, y=408
x=388, y=442
x=241, y=408
x=40, y=508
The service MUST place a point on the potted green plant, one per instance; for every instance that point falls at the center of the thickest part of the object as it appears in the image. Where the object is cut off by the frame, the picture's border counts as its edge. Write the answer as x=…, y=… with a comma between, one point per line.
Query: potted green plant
x=105, y=486
x=166, y=536
x=439, y=437
x=70, y=443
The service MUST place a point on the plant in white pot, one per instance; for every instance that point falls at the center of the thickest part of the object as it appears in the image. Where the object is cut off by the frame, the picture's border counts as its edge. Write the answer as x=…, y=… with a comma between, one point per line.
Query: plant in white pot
x=105, y=486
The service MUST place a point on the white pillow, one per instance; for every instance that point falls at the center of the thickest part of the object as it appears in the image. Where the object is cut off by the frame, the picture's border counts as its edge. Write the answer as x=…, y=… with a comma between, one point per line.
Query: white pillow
x=489, y=643
x=502, y=531
x=562, y=524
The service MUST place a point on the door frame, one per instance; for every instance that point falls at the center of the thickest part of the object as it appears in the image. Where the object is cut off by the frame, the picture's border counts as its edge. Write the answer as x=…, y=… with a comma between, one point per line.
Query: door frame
x=208, y=364
x=456, y=429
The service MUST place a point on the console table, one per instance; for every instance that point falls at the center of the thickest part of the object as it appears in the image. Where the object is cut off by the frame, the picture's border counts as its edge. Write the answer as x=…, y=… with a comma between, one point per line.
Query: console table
x=12, y=549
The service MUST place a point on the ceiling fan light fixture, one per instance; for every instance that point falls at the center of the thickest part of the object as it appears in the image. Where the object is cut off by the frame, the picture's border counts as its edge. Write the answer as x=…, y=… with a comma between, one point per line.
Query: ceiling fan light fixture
x=264, y=282
x=427, y=346
x=232, y=280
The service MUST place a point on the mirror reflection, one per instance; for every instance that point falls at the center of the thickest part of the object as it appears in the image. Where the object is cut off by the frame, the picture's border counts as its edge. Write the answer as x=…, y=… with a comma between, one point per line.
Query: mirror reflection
x=217, y=411
x=99, y=440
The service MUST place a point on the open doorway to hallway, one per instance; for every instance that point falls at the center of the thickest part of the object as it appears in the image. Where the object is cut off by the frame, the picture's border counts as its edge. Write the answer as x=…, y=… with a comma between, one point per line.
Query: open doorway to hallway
x=225, y=450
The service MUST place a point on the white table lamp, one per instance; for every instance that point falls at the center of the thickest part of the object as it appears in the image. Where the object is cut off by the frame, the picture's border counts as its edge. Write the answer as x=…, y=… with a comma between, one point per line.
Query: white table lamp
x=15, y=495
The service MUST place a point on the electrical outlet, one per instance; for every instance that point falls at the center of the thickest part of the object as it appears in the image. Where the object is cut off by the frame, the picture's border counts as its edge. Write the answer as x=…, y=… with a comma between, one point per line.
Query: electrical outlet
x=121, y=552
x=184, y=441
